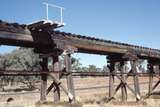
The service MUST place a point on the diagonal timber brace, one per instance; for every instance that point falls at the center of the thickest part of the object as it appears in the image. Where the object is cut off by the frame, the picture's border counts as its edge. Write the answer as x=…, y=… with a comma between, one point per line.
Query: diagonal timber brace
x=152, y=70
x=61, y=86
x=56, y=84
x=114, y=60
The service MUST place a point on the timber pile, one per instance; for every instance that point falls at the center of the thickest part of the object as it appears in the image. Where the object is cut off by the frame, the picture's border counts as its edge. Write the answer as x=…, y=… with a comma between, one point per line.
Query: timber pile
x=51, y=44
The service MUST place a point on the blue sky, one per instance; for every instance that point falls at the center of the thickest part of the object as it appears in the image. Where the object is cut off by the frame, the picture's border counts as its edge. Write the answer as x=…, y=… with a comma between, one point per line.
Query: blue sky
x=130, y=21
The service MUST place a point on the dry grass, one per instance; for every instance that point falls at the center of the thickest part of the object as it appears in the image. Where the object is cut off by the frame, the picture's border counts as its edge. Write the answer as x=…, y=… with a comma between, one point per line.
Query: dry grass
x=61, y=104
x=86, y=98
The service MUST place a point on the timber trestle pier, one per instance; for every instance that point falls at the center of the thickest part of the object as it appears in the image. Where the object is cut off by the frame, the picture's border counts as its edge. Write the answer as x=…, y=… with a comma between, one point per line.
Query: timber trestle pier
x=49, y=43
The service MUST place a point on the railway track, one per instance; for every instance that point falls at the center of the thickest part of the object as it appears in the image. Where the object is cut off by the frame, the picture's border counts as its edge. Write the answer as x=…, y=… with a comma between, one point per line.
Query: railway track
x=33, y=36
x=103, y=41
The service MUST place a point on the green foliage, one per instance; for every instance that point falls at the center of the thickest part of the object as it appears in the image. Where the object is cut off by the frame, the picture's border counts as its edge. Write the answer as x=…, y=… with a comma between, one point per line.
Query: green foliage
x=20, y=59
x=76, y=65
x=84, y=69
x=26, y=59
x=92, y=68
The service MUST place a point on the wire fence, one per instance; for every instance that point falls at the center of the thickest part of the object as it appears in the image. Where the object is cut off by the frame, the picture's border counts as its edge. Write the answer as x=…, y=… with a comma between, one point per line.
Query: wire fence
x=76, y=89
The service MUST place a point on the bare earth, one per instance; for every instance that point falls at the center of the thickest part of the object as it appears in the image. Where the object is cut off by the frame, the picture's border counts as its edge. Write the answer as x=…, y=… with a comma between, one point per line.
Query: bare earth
x=86, y=94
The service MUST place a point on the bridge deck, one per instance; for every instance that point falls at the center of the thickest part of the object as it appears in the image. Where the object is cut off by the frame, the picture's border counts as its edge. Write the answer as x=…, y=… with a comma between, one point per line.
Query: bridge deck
x=44, y=39
x=36, y=36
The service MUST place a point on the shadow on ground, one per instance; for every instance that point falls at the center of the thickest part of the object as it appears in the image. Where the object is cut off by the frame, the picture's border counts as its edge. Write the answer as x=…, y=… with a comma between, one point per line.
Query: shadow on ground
x=61, y=104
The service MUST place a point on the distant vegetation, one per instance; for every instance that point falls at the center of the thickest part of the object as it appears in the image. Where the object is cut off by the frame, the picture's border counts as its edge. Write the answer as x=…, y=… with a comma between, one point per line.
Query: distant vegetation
x=20, y=59
x=26, y=59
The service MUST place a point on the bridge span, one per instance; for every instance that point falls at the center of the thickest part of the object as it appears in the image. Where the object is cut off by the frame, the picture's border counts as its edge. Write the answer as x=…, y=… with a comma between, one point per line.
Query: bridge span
x=48, y=42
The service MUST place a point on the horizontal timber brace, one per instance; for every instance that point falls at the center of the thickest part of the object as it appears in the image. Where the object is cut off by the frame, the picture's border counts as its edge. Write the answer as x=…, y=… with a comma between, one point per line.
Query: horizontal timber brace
x=23, y=73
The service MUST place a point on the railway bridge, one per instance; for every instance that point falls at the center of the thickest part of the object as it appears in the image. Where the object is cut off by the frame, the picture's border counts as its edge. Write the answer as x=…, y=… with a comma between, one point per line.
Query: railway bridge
x=48, y=42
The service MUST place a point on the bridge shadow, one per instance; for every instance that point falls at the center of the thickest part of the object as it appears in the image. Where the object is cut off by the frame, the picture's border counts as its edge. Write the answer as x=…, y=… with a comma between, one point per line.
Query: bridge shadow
x=155, y=95
x=19, y=89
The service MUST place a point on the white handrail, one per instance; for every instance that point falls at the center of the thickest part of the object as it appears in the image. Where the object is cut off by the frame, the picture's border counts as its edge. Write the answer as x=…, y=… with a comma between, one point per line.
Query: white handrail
x=55, y=6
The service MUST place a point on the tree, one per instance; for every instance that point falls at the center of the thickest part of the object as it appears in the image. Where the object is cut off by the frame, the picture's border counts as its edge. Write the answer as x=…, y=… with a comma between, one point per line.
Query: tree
x=84, y=69
x=21, y=59
x=76, y=65
x=92, y=68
